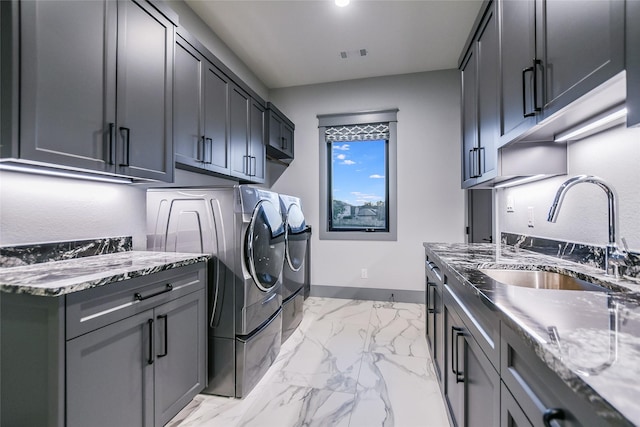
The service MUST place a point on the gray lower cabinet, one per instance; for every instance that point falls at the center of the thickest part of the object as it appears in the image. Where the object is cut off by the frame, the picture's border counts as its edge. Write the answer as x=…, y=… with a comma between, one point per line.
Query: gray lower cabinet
x=149, y=366
x=511, y=414
x=542, y=396
x=200, y=112
x=109, y=377
x=472, y=384
x=131, y=353
x=434, y=318
x=88, y=85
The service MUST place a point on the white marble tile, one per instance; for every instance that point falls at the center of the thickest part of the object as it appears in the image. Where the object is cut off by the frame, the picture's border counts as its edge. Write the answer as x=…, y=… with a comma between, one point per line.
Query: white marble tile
x=397, y=391
x=342, y=310
x=397, y=328
x=328, y=357
x=325, y=374
x=287, y=405
x=210, y=411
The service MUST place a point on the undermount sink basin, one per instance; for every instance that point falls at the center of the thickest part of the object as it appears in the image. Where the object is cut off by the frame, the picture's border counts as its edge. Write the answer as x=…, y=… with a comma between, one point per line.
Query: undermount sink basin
x=538, y=279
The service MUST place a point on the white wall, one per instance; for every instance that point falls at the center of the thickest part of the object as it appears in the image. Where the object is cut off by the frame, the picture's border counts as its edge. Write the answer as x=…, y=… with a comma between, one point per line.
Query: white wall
x=614, y=156
x=38, y=209
x=430, y=201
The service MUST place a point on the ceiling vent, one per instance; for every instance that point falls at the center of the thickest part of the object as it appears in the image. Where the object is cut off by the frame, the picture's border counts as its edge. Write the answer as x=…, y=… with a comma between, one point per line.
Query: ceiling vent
x=353, y=53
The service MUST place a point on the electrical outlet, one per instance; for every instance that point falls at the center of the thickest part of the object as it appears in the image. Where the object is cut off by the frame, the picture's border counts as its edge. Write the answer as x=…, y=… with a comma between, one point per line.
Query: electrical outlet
x=530, y=216
x=510, y=204
x=364, y=274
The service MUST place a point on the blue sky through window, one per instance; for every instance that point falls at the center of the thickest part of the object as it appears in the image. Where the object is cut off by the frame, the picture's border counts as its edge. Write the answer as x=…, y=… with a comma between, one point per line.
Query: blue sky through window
x=358, y=171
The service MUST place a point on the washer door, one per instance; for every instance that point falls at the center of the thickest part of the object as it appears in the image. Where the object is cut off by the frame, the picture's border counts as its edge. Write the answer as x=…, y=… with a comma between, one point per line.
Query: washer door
x=297, y=236
x=265, y=245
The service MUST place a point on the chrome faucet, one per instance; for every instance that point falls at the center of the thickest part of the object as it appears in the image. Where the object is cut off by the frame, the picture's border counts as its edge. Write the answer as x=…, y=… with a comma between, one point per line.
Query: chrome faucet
x=614, y=257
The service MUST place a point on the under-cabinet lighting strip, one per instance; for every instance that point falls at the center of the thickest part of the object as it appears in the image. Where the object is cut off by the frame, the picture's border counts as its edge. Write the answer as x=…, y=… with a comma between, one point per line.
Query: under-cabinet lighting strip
x=61, y=173
x=592, y=124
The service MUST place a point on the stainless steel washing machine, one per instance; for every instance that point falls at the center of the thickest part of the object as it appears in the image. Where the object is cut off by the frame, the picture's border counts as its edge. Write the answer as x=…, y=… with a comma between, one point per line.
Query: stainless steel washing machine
x=294, y=270
x=243, y=229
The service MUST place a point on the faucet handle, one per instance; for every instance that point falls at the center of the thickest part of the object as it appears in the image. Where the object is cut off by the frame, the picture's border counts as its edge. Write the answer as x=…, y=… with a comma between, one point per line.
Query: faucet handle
x=624, y=243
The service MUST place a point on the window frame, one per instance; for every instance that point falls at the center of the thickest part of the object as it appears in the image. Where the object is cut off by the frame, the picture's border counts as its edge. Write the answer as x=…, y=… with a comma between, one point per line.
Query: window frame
x=362, y=118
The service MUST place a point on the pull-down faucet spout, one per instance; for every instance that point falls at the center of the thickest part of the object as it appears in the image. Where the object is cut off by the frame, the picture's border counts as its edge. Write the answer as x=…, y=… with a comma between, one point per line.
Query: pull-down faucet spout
x=613, y=256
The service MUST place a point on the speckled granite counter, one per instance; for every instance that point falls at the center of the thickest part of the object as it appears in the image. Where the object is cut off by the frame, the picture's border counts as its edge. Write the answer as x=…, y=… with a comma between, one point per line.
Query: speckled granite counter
x=64, y=277
x=599, y=361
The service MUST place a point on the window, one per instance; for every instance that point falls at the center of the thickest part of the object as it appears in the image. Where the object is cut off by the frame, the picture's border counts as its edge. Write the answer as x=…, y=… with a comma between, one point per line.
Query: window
x=358, y=176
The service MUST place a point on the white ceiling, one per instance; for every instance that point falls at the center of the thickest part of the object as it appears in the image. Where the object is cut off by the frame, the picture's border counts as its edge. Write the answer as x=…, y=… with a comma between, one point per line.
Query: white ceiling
x=298, y=42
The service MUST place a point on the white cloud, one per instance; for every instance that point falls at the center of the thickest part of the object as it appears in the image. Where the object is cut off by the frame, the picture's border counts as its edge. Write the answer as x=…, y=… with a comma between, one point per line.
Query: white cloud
x=363, y=197
x=343, y=147
x=376, y=176
x=341, y=156
x=348, y=162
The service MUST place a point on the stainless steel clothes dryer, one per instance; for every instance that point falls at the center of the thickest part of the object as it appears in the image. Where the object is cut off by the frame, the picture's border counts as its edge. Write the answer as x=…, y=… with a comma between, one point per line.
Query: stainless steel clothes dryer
x=294, y=271
x=242, y=228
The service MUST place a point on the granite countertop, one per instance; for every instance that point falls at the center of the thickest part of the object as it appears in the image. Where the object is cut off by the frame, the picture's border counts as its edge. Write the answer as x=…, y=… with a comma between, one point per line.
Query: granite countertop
x=599, y=333
x=63, y=277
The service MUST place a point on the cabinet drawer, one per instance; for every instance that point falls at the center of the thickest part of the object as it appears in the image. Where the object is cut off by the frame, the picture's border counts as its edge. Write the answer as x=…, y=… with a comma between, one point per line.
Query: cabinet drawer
x=539, y=391
x=97, y=307
x=481, y=320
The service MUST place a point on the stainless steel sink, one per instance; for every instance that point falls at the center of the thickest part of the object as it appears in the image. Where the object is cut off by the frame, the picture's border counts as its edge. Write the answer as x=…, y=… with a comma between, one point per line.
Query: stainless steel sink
x=539, y=279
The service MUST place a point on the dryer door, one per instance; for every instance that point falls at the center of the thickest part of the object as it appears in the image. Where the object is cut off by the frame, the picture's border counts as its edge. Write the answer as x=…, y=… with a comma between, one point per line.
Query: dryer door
x=297, y=235
x=265, y=245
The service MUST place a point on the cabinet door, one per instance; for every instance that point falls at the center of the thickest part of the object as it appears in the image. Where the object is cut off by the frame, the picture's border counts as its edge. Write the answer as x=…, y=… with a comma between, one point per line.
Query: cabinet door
x=454, y=365
x=68, y=77
x=287, y=136
x=482, y=387
x=187, y=114
x=580, y=47
x=215, y=120
x=257, y=148
x=517, y=110
x=511, y=415
x=487, y=86
x=276, y=139
x=110, y=375
x=434, y=325
x=538, y=390
x=239, y=132
x=180, y=368
x=469, y=119
x=145, y=87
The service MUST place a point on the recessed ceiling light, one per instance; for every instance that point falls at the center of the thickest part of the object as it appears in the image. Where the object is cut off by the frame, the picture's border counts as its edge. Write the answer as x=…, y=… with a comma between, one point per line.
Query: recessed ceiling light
x=342, y=3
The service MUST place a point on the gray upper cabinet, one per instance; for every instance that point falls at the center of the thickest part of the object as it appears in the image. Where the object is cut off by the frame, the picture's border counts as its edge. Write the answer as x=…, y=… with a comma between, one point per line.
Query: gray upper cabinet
x=480, y=102
x=95, y=86
x=579, y=48
x=518, y=106
x=239, y=132
x=67, y=83
x=552, y=53
x=632, y=61
x=247, y=137
x=200, y=117
x=281, y=132
x=257, y=136
x=144, y=96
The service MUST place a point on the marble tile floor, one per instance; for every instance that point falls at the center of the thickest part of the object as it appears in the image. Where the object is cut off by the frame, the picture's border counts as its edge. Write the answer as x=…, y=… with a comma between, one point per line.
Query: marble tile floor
x=350, y=363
